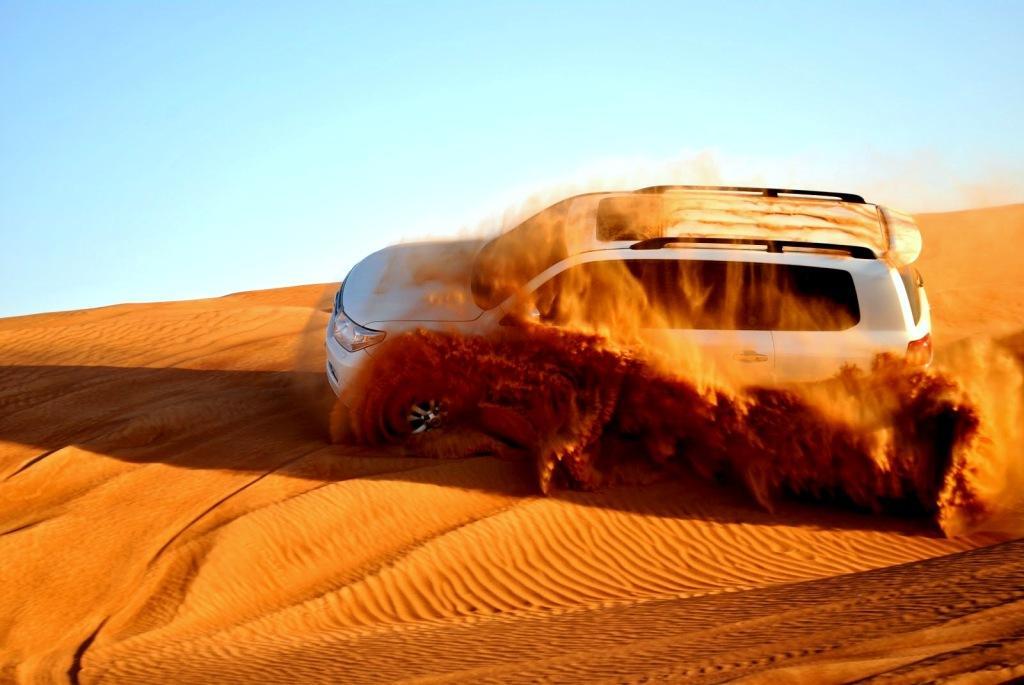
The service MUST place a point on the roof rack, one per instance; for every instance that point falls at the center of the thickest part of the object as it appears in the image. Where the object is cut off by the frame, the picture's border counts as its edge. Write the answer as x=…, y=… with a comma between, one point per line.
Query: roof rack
x=765, y=192
x=857, y=251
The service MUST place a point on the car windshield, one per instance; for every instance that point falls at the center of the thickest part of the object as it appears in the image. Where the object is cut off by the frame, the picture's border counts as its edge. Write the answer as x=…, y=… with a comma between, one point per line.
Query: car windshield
x=505, y=264
x=692, y=294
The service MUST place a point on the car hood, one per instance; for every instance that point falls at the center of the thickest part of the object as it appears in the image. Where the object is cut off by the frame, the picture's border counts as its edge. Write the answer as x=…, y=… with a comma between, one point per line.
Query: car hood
x=427, y=281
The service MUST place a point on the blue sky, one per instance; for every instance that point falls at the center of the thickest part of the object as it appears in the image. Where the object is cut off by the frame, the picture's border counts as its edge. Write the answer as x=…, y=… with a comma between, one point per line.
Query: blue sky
x=169, y=150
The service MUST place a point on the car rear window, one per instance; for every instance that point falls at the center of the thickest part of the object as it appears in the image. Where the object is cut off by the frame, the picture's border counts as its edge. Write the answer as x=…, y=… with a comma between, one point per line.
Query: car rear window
x=715, y=295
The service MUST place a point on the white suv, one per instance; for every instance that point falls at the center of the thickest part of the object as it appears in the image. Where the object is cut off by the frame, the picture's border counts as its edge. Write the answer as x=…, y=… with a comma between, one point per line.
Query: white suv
x=770, y=285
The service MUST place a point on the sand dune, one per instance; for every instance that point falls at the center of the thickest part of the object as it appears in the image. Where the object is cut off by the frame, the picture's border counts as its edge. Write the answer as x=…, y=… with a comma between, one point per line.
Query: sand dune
x=172, y=510
x=971, y=271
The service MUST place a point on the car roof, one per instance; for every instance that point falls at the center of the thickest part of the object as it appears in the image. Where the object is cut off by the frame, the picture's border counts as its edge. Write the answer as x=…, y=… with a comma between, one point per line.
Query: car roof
x=725, y=214
x=763, y=218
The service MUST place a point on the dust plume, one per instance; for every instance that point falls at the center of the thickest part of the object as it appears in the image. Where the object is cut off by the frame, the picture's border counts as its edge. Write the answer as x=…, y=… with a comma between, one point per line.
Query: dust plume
x=590, y=413
x=993, y=378
x=923, y=180
x=593, y=376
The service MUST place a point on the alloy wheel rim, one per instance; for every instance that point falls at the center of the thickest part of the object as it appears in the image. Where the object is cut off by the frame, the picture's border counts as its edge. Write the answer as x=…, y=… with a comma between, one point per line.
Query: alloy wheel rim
x=424, y=416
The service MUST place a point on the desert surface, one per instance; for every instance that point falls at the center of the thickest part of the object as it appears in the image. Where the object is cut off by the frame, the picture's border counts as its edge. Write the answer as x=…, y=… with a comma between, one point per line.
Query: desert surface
x=172, y=510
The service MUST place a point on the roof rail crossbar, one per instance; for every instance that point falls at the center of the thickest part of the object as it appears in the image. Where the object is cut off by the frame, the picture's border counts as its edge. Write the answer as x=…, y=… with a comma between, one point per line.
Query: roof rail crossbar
x=766, y=192
x=857, y=251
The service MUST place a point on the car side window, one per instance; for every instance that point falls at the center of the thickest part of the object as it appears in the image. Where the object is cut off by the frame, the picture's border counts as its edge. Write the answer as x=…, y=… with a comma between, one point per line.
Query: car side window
x=699, y=294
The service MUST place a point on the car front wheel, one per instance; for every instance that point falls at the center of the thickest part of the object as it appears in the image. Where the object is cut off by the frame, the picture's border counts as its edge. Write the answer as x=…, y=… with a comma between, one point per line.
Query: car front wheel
x=425, y=416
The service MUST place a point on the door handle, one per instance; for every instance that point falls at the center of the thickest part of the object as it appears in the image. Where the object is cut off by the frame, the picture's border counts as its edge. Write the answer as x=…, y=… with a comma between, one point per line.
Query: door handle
x=750, y=356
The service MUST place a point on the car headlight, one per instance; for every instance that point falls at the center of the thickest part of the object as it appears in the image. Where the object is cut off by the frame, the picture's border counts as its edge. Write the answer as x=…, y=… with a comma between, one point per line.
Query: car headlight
x=352, y=336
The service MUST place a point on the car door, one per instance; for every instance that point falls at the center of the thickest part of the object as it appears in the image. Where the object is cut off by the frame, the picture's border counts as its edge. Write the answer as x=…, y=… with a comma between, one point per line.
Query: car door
x=805, y=356
x=743, y=358
x=709, y=308
x=816, y=331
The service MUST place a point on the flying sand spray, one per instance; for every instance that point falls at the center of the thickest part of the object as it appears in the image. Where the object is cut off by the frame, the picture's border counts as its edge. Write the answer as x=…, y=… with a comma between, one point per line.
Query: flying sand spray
x=579, y=382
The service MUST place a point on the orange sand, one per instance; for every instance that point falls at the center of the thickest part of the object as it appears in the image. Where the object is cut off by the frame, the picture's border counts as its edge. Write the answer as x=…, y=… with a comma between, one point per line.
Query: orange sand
x=171, y=510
